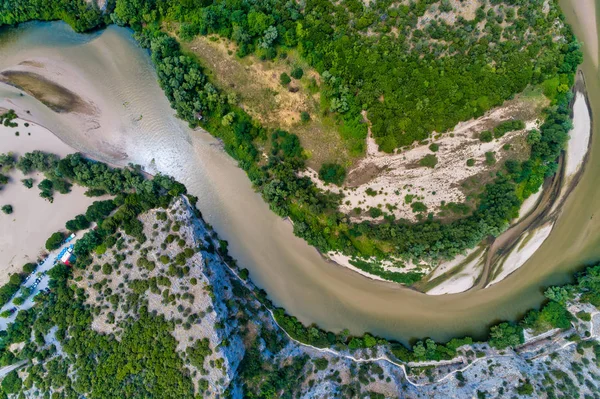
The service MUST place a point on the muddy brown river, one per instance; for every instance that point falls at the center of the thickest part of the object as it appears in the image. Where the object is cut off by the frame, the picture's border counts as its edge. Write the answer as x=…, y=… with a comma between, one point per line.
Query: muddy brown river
x=136, y=124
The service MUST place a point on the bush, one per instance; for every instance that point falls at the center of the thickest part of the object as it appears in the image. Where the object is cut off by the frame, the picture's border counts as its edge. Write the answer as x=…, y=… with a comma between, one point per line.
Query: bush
x=321, y=363
x=304, y=116
x=297, y=73
x=418, y=207
x=55, y=241
x=504, y=335
x=332, y=173
x=508, y=126
x=284, y=79
x=434, y=147
x=470, y=162
x=29, y=268
x=490, y=158
x=375, y=212
x=8, y=209
x=525, y=389
x=27, y=183
x=486, y=136
x=80, y=222
x=429, y=161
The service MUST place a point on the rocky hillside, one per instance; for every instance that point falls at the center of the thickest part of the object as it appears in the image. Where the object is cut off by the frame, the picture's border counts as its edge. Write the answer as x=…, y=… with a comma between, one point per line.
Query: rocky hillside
x=165, y=316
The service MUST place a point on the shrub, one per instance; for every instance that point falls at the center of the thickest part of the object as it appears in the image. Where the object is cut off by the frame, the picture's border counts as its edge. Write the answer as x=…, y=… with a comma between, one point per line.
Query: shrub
x=429, y=161
x=297, y=73
x=321, y=363
x=418, y=207
x=28, y=268
x=490, y=158
x=8, y=209
x=525, y=389
x=486, y=136
x=504, y=335
x=27, y=183
x=55, y=241
x=470, y=162
x=508, y=126
x=434, y=147
x=304, y=116
x=370, y=192
x=284, y=79
x=80, y=222
x=332, y=173
x=375, y=212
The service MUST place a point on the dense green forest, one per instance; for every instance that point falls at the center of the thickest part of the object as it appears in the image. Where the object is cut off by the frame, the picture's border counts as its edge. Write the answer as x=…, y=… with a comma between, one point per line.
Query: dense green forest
x=324, y=34
x=413, y=74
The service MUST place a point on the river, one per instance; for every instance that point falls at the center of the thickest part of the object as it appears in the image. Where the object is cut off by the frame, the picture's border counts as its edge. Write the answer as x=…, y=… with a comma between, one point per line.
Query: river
x=138, y=126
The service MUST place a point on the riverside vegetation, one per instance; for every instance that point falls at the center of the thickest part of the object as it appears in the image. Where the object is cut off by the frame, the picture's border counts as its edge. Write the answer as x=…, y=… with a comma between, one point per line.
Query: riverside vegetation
x=154, y=306
x=446, y=76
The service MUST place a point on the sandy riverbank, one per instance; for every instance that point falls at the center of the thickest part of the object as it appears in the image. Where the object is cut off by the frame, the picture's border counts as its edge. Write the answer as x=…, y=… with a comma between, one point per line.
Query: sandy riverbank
x=579, y=137
x=91, y=114
x=527, y=246
x=465, y=278
x=24, y=232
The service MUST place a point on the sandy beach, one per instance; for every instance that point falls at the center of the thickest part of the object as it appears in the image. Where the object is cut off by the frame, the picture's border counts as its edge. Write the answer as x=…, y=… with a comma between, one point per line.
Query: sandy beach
x=24, y=232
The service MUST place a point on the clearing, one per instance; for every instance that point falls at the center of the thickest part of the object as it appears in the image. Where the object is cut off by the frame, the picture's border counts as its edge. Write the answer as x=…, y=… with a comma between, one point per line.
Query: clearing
x=262, y=96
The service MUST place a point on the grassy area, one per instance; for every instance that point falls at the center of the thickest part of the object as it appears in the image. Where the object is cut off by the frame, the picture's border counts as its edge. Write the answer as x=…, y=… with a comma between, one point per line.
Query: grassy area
x=261, y=94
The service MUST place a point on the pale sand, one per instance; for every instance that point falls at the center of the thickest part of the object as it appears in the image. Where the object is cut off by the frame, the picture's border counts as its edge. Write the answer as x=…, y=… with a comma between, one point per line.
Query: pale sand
x=23, y=233
x=586, y=14
x=88, y=124
x=521, y=253
x=579, y=139
x=462, y=281
x=528, y=205
x=445, y=267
